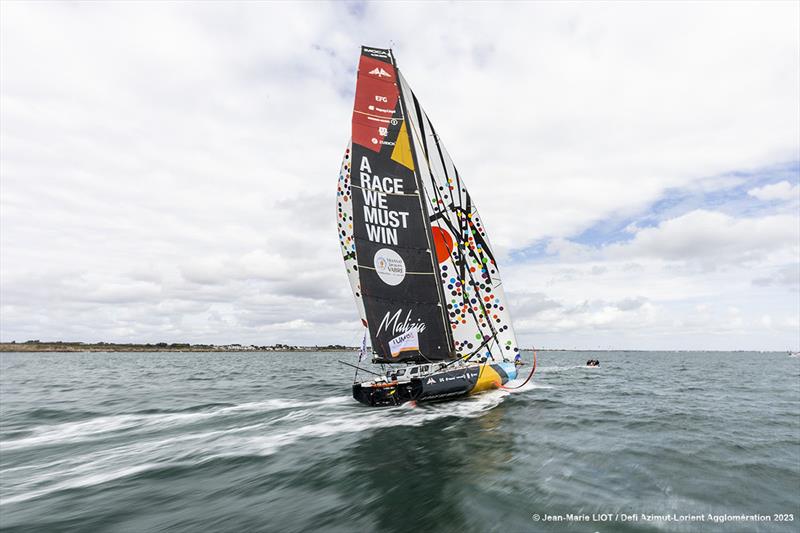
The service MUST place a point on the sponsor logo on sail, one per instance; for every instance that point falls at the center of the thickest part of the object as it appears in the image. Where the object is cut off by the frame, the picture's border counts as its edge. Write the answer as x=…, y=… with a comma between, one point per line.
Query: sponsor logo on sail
x=407, y=342
x=390, y=266
x=378, y=71
x=392, y=323
x=376, y=51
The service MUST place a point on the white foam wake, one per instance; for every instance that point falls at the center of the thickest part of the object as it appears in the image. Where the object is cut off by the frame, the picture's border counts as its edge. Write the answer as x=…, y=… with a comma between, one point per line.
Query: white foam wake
x=100, y=427
x=550, y=369
x=325, y=418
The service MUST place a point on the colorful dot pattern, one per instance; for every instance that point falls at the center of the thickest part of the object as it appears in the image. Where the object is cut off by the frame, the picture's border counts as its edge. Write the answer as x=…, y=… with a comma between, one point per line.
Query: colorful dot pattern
x=474, y=296
x=344, y=217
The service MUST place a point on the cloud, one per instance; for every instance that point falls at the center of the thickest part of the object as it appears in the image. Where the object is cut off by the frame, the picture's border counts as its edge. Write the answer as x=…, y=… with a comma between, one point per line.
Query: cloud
x=710, y=237
x=169, y=170
x=782, y=190
x=788, y=276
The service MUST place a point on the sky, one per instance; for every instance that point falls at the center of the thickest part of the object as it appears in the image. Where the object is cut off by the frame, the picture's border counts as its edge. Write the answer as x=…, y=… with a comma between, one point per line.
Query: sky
x=168, y=171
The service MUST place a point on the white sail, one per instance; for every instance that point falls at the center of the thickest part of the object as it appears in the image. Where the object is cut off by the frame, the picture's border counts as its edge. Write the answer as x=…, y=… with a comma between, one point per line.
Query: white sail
x=344, y=216
x=473, y=293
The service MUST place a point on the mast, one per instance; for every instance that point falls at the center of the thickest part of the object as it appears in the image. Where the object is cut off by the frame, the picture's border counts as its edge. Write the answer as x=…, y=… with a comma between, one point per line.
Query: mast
x=424, y=206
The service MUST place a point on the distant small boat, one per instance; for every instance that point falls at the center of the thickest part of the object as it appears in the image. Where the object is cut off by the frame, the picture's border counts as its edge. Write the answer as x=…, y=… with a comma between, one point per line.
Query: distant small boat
x=794, y=354
x=592, y=362
x=423, y=273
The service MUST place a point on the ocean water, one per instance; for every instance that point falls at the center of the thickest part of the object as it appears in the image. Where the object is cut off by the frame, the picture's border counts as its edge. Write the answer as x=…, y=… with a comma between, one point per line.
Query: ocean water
x=188, y=442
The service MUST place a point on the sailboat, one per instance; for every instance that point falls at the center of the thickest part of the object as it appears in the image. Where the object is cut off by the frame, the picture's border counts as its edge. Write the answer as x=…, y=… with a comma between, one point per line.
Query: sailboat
x=422, y=270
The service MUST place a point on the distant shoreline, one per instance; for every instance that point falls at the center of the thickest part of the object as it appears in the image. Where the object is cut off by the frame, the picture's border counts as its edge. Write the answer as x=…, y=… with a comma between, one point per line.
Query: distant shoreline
x=58, y=346
x=160, y=347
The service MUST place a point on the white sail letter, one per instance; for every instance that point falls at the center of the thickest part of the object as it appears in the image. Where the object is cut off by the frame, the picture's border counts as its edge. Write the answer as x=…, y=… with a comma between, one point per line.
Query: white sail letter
x=365, y=165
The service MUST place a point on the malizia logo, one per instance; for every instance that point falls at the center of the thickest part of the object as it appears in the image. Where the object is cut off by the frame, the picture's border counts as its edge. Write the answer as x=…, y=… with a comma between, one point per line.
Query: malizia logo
x=378, y=71
x=396, y=324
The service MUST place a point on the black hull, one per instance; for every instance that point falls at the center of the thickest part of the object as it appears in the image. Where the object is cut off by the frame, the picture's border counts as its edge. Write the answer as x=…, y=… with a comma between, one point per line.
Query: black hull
x=385, y=396
x=448, y=385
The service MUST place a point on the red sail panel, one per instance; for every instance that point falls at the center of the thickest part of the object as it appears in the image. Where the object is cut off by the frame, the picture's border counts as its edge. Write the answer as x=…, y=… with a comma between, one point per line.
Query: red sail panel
x=376, y=100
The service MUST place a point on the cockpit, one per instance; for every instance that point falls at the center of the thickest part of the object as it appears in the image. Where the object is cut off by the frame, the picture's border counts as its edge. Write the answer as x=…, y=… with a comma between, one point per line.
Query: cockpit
x=408, y=372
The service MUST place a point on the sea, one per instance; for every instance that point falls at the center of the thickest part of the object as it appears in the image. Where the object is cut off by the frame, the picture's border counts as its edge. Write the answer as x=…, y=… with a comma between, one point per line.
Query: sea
x=261, y=441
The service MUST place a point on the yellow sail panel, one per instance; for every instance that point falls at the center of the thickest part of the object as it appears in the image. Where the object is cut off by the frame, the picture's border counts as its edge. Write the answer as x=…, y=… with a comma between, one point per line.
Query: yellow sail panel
x=402, y=149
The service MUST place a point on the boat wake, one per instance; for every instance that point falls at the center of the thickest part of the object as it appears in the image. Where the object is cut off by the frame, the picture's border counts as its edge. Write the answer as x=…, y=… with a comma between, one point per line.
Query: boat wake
x=99, y=450
x=86, y=430
x=552, y=369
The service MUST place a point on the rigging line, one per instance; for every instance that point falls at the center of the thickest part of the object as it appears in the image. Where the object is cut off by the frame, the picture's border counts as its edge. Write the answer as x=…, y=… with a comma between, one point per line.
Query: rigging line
x=458, y=181
x=442, y=148
x=478, y=293
x=443, y=151
x=424, y=208
x=421, y=124
x=462, y=221
x=481, y=347
x=385, y=192
x=358, y=367
x=424, y=357
x=420, y=135
x=476, y=287
x=422, y=117
x=469, y=356
x=439, y=149
x=462, y=268
x=463, y=271
x=533, y=369
x=363, y=344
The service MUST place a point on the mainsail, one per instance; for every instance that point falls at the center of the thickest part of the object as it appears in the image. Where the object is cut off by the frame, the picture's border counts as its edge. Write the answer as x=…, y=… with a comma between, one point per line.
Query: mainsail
x=415, y=249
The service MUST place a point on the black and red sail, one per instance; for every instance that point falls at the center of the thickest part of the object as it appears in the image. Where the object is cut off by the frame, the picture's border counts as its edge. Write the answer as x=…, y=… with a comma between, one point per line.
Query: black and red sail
x=398, y=279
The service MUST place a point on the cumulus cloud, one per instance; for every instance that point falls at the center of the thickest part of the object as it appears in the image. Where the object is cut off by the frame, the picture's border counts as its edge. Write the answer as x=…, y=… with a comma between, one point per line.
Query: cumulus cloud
x=168, y=170
x=782, y=190
x=713, y=238
x=788, y=276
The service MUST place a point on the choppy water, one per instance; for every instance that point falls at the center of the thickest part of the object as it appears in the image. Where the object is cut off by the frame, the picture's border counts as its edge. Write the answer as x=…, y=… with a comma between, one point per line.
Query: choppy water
x=273, y=442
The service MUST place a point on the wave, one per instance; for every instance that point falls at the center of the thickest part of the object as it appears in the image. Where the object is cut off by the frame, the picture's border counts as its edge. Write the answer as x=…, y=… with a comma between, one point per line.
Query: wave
x=322, y=418
x=549, y=369
x=71, y=432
